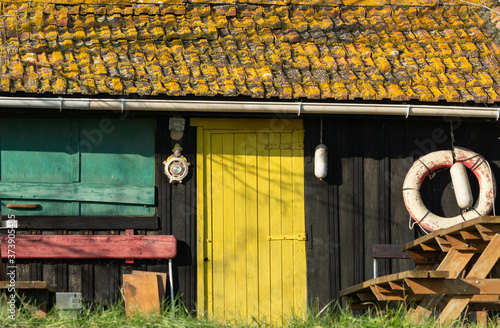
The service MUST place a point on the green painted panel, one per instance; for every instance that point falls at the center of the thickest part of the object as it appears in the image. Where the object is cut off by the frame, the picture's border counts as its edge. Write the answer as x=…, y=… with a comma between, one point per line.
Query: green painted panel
x=88, y=192
x=115, y=209
x=120, y=152
x=35, y=150
x=46, y=207
x=91, y=166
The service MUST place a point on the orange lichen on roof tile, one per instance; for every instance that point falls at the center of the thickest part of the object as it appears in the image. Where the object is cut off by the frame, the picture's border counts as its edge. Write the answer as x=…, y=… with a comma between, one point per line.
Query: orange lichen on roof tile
x=353, y=91
x=430, y=79
x=484, y=79
x=367, y=3
x=383, y=64
x=436, y=64
x=396, y=93
x=261, y=50
x=493, y=94
x=463, y=64
x=451, y=94
x=478, y=92
x=367, y=90
x=437, y=93
x=340, y=90
x=424, y=94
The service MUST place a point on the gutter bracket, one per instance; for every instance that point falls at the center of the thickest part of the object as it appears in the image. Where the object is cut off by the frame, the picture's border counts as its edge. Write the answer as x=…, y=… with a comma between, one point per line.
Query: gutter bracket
x=60, y=104
x=498, y=113
x=300, y=108
x=408, y=109
x=123, y=104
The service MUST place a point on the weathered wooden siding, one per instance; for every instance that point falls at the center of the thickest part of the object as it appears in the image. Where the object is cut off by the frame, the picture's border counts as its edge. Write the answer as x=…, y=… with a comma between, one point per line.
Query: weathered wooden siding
x=360, y=202
x=100, y=281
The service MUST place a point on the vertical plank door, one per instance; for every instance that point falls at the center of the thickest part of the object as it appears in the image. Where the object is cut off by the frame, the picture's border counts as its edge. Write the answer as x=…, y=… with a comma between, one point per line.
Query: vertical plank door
x=251, y=227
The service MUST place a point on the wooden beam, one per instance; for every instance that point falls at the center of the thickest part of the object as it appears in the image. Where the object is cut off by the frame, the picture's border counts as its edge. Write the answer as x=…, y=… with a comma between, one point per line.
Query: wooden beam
x=397, y=285
x=461, y=244
x=86, y=222
x=471, y=235
x=82, y=192
x=487, y=260
x=431, y=247
x=393, y=278
x=93, y=247
x=423, y=257
x=443, y=243
x=425, y=308
x=484, y=224
x=454, y=262
x=487, y=231
x=453, y=309
x=30, y=285
x=415, y=244
x=452, y=287
x=384, y=294
x=486, y=299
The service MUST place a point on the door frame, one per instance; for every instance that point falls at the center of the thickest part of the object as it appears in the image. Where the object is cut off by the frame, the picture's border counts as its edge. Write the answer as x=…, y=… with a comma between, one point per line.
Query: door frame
x=204, y=125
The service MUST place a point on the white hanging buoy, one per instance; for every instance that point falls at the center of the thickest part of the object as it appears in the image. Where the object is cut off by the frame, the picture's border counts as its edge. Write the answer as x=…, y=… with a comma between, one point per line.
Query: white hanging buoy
x=461, y=185
x=320, y=161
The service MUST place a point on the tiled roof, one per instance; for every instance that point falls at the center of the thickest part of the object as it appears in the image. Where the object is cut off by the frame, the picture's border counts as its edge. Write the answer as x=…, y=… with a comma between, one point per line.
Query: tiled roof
x=350, y=49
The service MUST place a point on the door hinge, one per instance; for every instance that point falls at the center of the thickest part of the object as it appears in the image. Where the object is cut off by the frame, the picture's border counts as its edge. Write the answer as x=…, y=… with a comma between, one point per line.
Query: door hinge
x=299, y=236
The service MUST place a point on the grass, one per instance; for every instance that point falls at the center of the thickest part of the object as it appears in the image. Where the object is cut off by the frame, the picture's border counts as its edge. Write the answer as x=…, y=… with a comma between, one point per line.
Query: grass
x=331, y=316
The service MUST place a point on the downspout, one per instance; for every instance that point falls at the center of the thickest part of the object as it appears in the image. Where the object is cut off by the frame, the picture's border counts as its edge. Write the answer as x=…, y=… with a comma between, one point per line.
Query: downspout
x=248, y=107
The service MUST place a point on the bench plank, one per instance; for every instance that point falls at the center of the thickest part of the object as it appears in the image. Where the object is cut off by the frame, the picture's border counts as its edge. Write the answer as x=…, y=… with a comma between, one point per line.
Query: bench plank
x=86, y=222
x=29, y=285
x=92, y=246
x=388, y=251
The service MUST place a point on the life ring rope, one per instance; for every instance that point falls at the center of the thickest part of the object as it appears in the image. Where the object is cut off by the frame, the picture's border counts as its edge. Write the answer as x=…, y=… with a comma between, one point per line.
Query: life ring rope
x=431, y=174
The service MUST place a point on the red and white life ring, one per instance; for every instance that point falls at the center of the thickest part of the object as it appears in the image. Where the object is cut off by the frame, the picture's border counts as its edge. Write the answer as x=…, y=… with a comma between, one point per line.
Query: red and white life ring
x=443, y=159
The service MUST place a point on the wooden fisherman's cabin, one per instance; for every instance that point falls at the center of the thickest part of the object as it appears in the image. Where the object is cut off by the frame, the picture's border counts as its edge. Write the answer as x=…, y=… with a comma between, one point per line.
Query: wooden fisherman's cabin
x=95, y=96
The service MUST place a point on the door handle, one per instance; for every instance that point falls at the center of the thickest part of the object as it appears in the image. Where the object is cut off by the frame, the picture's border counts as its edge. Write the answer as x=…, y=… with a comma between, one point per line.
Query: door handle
x=22, y=205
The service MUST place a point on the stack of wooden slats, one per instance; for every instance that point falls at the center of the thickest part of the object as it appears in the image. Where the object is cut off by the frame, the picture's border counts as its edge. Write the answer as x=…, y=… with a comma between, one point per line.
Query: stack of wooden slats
x=454, y=269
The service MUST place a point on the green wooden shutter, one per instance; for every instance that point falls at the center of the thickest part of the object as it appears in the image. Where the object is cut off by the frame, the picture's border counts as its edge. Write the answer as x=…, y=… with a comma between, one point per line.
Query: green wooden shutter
x=96, y=166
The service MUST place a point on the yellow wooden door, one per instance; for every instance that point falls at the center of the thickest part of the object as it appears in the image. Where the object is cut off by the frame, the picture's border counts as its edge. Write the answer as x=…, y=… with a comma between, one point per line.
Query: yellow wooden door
x=251, y=228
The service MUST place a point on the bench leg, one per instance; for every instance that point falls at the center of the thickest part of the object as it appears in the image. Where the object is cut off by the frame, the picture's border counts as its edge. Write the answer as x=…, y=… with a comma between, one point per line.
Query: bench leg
x=454, y=308
x=171, y=279
x=425, y=308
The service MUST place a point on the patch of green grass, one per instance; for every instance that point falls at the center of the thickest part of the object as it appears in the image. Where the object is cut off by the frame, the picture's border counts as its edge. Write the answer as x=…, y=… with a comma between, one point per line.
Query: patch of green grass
x=330, y=316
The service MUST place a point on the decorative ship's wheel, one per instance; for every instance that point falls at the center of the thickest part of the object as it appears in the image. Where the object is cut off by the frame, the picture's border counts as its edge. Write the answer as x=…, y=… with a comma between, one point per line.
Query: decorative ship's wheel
x=176, y=169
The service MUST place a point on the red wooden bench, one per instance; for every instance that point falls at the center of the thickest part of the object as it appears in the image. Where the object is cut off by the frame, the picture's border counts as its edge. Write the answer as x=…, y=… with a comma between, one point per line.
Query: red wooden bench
x=114, y=247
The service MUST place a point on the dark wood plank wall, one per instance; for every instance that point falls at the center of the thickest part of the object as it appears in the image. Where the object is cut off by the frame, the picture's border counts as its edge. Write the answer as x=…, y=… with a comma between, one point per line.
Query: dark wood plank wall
x=360, y=202
x=177, y=203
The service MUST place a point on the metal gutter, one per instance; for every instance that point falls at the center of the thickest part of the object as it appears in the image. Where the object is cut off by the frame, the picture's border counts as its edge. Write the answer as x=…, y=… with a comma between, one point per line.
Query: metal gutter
x=248, y=107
